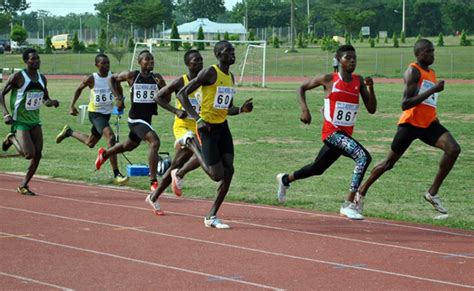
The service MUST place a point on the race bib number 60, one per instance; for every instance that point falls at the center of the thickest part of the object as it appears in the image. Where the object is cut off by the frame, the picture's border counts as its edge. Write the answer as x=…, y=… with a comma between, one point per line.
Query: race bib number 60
x=223, y=97
x=33, y=100
x=345, y=114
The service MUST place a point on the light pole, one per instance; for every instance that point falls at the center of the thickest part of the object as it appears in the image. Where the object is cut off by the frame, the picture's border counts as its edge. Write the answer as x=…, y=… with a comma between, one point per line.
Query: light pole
x=403, y=17
x=292, y=26
x=309, y=23
x=80, y=28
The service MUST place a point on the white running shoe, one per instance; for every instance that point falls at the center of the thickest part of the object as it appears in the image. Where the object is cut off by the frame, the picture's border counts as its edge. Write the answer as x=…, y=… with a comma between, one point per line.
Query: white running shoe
x=176, y=183
x=282, y=188
x=215, y=222
x=349, y=210
x=436, y=202
x=359, y=202
x=184, y=140
x=156, y=205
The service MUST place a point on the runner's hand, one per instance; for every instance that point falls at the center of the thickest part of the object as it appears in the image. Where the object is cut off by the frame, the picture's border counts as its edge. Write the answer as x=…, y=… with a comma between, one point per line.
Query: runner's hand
x=439, y=86
x=247, y=106
x=369, y=82
x=120, y=105
x=73, y=111
x=181, y=113
x=305, y=117
x=8, y=119
x=203, y=125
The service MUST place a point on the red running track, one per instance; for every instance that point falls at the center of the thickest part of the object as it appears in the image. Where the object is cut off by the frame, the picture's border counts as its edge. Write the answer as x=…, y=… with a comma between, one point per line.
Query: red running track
x=77, y=236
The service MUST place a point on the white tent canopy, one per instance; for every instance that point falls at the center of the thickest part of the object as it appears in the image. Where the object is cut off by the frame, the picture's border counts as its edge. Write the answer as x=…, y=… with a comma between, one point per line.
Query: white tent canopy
x=209, y=27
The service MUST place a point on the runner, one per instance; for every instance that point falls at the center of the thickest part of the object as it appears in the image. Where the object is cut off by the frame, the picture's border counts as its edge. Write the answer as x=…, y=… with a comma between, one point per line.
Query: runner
x=144, y=86
x=217, y=146
x=100, y=108
x=419, y=121
x=341, y=105
x=28, y=90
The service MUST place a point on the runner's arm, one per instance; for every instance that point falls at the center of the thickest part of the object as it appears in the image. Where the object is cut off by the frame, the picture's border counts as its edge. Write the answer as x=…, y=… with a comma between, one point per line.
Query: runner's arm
x=410, y=98
x=205, y=77
x=163, y=97
x=86, y=82
x=47, y=101
x=368, y=94
x=308, y=85
x=114, y=84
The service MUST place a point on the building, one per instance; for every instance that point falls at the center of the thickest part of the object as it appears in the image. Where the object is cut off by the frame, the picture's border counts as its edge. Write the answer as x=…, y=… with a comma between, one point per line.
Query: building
x=189, y=31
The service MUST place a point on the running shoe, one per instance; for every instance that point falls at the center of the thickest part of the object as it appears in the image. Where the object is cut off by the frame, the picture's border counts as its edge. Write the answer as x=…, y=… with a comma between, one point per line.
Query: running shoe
x=176, y=183
x=25, y=191
x=349, y=210
x=64, y=133
x=7, y=143
x=120, y=179
x=100, y=160
x=359, y=202
x=156, y=205
x=436, y=202
x=153, y=186
x=215, y=222
x=282, y=188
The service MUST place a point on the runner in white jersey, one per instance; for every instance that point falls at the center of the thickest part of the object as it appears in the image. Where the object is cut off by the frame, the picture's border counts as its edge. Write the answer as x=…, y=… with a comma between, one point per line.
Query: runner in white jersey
x=29, y=91
x=101, y=104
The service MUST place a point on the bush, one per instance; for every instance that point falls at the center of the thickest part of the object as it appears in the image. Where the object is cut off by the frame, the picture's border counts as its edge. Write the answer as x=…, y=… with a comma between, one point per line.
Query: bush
x=48, y=45
x=300, y=42
x=275, y=42
x=464, y=41
x=187, y=46
x=131, y=45
x=395, y=40
x=347, y=38
x=200, y=45
x=329, y=44
x=440, y=39
x=174, y=35
x=402, y=37
x=371, y=42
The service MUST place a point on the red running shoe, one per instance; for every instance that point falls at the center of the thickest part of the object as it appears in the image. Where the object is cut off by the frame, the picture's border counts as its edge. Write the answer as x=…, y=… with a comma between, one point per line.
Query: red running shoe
x=153, y=186
x=100, y=160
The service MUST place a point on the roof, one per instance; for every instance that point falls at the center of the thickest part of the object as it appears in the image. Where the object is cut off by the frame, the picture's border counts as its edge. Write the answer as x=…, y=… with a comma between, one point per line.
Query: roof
x=209, y=27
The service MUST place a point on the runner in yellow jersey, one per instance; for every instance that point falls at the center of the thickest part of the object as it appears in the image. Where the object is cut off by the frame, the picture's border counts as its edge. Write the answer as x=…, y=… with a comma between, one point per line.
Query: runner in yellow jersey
x=101, y=104
x=217, y=146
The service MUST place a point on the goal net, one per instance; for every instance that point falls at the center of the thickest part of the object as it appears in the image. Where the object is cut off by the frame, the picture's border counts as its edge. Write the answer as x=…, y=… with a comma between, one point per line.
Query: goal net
x=249, y=68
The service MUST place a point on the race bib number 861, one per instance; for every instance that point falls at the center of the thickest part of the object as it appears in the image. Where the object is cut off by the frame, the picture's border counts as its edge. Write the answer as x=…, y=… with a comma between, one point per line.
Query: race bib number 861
x=223, y=97
x=345, y=114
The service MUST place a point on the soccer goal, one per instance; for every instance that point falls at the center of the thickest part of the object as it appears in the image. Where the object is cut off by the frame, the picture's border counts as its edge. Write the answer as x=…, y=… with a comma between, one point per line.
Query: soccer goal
x=249, y=68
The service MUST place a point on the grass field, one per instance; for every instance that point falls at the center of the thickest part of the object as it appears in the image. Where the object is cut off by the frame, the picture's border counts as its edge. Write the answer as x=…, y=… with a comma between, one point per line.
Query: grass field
x=271, y=140
x=452, y=61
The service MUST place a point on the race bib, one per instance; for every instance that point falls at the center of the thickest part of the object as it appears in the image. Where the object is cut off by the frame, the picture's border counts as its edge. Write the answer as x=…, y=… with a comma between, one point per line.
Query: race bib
x=33, y=100
x=433, y=99
x=345, y=114
x=103, y=97
x=223, y=97
x=144, y=93
x=196, y=106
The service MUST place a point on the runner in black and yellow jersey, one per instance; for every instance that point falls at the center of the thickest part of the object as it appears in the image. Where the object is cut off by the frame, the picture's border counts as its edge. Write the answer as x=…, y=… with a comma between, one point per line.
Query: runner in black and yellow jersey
x=144, y=86
x=217, y=146
x=28, y=91
x=101, y=104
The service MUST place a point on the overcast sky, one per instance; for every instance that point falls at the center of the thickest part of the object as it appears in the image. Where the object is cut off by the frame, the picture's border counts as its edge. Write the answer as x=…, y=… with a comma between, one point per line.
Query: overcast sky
x=63, y=7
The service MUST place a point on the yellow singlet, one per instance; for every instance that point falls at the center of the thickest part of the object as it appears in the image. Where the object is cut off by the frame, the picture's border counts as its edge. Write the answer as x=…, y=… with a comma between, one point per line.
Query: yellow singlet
x=216, y=98
x=183, y=125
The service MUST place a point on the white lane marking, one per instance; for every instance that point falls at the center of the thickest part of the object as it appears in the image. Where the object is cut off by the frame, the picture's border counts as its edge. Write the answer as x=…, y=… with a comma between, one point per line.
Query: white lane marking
x=33, y=280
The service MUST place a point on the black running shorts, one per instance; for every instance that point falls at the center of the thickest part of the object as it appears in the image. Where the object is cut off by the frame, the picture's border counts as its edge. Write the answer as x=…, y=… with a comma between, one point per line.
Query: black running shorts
x=138, y=129
x=407, y=133
x=99, y=122
x=216, y=143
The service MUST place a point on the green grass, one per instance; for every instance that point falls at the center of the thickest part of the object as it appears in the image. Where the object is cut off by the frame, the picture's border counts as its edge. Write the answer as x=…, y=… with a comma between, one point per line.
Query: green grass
x=452, y=61
x=271, y=140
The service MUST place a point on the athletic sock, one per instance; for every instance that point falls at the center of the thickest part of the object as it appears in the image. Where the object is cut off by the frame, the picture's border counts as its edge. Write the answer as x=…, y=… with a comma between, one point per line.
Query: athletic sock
x=116, y=172
x=285, y=180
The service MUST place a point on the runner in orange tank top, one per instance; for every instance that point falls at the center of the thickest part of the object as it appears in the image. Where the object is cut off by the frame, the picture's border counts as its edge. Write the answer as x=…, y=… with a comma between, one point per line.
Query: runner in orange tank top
x=419, y=121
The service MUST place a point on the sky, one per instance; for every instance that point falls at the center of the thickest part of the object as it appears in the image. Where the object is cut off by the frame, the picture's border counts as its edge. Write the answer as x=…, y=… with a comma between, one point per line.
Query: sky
x=63, y=7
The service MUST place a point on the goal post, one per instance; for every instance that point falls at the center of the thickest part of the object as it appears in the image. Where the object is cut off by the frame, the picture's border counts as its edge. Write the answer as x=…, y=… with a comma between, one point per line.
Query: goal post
x=249, y=67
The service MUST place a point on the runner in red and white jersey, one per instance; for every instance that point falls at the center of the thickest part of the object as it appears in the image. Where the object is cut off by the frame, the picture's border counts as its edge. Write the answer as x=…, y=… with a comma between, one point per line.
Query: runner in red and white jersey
x=341, y=106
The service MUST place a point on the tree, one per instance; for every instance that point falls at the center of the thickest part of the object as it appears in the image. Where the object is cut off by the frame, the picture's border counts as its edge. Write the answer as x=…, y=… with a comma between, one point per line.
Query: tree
x=352, y=19
x=440, y=39
x=347, y=38
x=200, y=45
x=175, y=35
x=131, y=44
x=402, y=37
x=102, y=40
x=48, y=45
x=76, y=45
x=262, y=13
x=193, y=9
x=395, y=40
x=251, y=35
x=371, y=42
x=361, y=37
x=12, y=7
x=145, y=13
x=19, y=34
x=117, y=51
x=300, y=42
x=464, y=41
x=226, y=35
x=218, y=36
x=275, y=41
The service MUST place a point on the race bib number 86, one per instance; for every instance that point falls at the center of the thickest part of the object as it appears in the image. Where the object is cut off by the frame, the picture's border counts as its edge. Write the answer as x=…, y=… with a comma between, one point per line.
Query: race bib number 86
x=33, y=100
x=223, y=97
x=345, y=114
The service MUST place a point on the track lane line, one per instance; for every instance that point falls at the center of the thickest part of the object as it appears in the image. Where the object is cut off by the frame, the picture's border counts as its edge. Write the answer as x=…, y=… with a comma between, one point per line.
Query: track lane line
x=33, y=280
